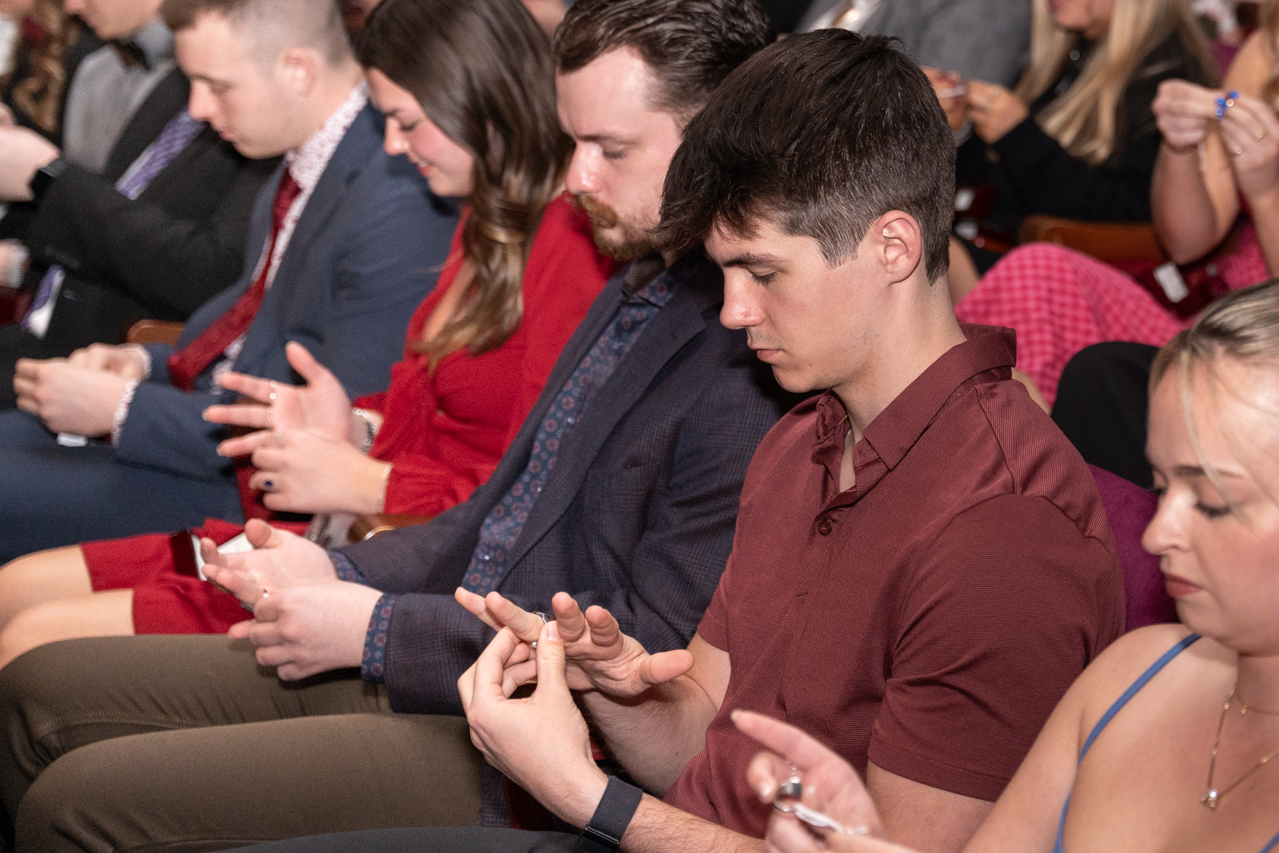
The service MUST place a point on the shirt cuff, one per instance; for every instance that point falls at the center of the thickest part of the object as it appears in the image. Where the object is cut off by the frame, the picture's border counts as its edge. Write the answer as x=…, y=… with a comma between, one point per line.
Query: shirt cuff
x=122, y=411
x=345, y=569
x=373, y=662
x=17, y=271
x=146, y=358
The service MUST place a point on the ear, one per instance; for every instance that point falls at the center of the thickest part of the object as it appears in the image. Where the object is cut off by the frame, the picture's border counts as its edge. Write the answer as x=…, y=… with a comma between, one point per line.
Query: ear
x=899, y=244
x=300, y=68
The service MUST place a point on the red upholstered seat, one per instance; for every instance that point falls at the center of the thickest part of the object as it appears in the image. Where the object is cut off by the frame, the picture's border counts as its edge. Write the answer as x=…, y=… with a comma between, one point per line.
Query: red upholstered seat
x=1130, y=508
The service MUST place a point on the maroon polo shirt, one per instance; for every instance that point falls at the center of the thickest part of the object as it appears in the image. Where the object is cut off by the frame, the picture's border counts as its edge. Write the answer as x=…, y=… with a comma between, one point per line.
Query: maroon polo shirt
x=929, y=618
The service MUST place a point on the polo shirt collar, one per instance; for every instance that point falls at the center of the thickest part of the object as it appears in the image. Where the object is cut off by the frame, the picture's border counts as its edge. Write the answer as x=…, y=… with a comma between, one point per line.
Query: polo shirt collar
x=895, y=430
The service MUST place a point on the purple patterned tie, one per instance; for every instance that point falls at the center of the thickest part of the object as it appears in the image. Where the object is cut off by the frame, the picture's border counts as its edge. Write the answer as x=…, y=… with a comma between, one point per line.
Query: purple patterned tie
x=504, y=523
x=176, y=136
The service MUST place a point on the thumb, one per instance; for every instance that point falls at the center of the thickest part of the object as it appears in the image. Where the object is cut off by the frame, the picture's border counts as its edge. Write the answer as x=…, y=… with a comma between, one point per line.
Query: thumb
x=550, y=659
x=259, y=533
x=301, y=360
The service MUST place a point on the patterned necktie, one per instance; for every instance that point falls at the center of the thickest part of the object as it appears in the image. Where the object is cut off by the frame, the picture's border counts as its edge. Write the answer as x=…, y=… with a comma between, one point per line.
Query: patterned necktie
x=175, y=137
x=503, y=525
x=190, y=361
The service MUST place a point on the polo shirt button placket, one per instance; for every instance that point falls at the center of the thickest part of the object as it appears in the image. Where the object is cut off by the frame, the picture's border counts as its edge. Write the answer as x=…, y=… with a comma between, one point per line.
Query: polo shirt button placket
x=824, y=527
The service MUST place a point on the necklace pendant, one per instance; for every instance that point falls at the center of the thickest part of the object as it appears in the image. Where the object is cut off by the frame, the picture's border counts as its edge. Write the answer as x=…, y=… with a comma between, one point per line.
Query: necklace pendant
x=1210, y=798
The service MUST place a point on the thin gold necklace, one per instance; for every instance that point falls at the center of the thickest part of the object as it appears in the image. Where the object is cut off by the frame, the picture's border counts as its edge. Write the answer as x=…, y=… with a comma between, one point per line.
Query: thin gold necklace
x=1211, y=797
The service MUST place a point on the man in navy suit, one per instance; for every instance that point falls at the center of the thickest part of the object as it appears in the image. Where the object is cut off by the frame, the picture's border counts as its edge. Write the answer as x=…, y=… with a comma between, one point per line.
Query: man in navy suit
x=621, y=487
x=342, y=246
x=142, y=214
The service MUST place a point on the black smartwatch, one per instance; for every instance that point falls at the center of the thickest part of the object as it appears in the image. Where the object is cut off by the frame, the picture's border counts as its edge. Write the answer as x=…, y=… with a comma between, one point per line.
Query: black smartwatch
x=45, y=175
x=611, y=817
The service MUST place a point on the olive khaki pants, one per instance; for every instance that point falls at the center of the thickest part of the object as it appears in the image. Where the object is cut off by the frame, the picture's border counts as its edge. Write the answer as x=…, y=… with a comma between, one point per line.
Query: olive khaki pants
x=183, y=743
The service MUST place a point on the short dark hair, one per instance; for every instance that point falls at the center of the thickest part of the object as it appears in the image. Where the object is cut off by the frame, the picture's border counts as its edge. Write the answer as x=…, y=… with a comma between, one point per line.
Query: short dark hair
x=690, y=45
x=278, y=23
x=820, y=134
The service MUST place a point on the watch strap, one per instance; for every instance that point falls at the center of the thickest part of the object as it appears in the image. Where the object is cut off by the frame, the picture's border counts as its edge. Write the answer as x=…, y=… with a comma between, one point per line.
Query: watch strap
x=612, y=815
x=46, y=175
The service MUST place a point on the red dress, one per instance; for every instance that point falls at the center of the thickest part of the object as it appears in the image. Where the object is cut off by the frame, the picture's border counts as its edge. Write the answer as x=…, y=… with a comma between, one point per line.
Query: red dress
x=443, y=431
x=1060, y=301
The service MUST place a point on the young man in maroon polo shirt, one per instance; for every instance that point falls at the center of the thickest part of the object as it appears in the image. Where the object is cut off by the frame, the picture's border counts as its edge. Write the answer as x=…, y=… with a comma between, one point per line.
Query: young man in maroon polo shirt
x=922, y=563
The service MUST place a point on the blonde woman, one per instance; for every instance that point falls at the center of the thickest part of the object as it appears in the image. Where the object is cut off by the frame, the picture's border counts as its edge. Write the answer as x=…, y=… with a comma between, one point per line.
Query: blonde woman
x=1060, y=301
x=1077, y=138
x=1166, y=741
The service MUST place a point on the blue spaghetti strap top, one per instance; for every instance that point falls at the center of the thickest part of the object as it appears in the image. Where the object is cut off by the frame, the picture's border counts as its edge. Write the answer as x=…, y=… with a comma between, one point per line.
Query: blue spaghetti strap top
x=1115, y=709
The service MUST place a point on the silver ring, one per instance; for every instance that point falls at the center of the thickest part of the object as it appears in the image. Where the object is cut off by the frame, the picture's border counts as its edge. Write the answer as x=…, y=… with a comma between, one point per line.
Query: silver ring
x=533, y=644
x=271, y=396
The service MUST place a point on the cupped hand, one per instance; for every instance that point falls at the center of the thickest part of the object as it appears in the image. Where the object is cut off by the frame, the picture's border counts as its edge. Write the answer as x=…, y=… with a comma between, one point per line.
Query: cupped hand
x=309, y=629
x=68, y=398
x=1184, y=111
x=23, y=152
x=320, y=406
x=1250, y=132
x=951, y=91
x=127, y=362
x=600, y=657
x=540, y=741
x=279, y=560
x=993, y=110
x=302, y=471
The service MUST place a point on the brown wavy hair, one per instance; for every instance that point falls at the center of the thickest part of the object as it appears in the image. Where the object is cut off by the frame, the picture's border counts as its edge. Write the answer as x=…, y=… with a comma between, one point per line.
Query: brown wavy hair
x=482, y=72
x=40, y=94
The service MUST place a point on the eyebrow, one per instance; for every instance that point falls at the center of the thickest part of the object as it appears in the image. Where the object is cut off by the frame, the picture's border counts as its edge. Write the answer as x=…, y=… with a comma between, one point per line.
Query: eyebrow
x=750, y=259
x=1196, y=471
x=599, y=138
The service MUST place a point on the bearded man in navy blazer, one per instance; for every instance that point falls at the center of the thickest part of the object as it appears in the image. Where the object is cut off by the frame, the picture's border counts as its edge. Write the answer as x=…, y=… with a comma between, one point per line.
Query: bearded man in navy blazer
x=355, y=248
x=621, y=487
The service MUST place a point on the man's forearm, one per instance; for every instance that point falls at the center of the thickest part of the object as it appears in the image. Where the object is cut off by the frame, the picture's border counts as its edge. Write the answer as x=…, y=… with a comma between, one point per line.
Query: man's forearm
x=655, y=735
x=657, y=828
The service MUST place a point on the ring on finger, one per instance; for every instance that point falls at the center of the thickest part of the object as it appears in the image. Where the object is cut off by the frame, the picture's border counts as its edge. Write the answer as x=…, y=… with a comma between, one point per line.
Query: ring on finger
x=533, y=645
x=275, y=438
x=1237, y=150
x=271, y=396
x=1259, y=135
x=268, y=485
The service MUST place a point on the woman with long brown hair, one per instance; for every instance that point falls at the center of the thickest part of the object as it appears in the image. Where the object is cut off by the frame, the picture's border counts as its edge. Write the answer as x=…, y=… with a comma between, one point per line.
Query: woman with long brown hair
x=467, y=90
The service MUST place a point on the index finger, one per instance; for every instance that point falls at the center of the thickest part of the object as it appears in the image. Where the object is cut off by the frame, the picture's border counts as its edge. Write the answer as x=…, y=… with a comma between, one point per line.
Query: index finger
x=249, y=386
x=255, y=415
x=527, y=626
x=490, y=668
x=787, y=741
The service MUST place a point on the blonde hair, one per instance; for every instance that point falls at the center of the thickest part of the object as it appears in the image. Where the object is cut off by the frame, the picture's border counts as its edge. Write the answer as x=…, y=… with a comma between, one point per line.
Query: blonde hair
x=1085, y=120
x=1242, y=326
x=40, y=94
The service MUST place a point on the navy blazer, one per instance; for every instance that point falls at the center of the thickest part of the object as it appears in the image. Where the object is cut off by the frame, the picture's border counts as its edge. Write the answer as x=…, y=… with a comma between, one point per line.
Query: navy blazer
x=637, y=515
x=366, y=250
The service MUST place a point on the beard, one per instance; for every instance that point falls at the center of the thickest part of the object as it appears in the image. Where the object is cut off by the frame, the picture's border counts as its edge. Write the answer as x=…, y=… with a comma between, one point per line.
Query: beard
x=628, y=243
